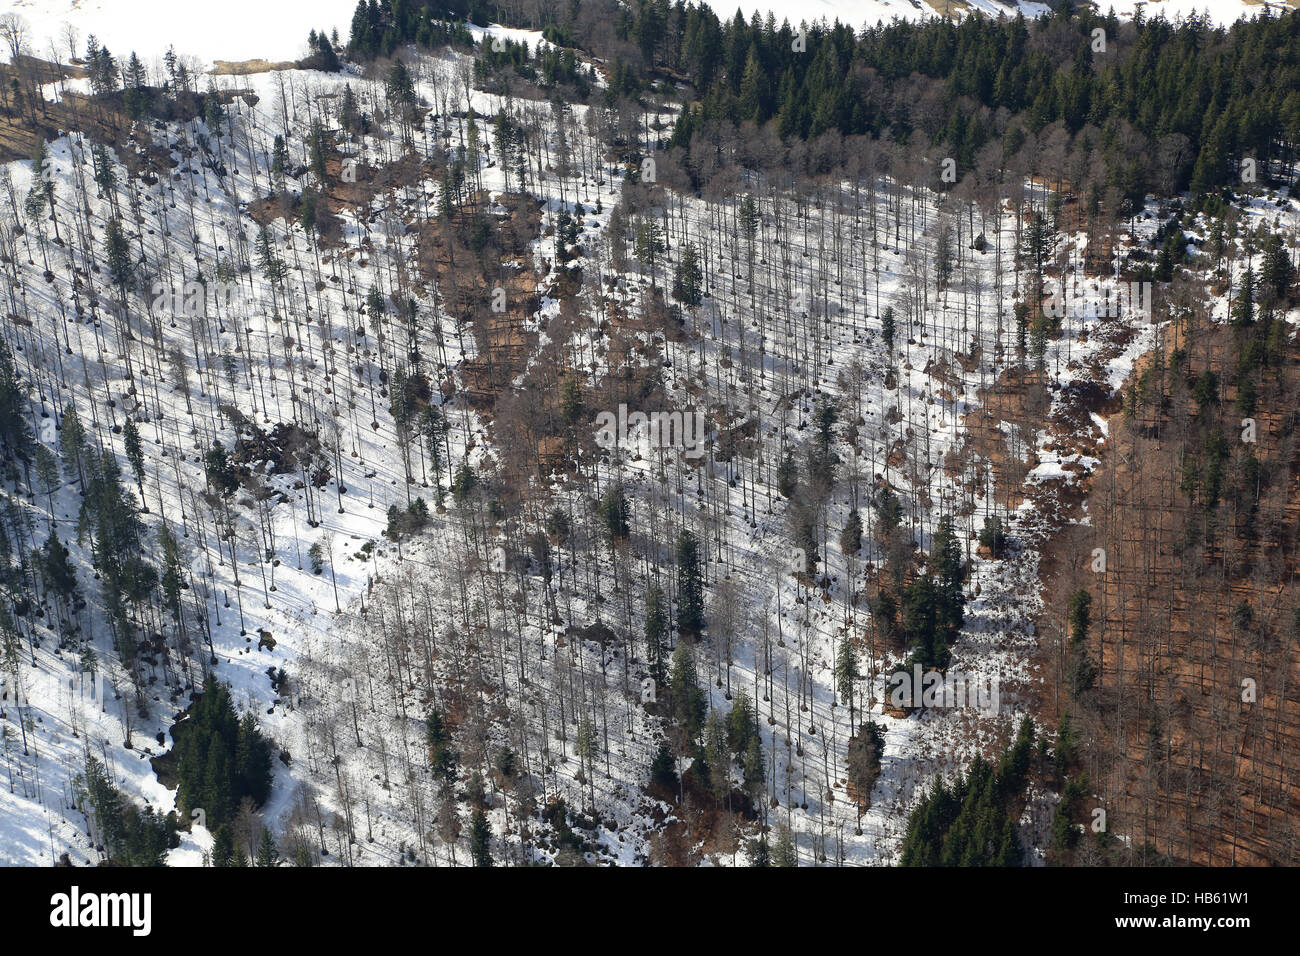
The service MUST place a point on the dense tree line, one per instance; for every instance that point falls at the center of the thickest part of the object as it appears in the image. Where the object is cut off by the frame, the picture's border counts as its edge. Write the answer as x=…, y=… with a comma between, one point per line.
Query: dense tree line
x=379, y=28
x=221, y=757
x=129, y=835
x=1204, y=97
x=973, y=822
x=1198, y=99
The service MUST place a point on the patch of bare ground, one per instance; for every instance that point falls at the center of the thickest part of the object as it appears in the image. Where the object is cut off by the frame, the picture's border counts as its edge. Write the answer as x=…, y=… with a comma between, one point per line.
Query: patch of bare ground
x=248, y=67
x=999, y=434
x=1190, y=732
x=481, y=248
x=32, y=120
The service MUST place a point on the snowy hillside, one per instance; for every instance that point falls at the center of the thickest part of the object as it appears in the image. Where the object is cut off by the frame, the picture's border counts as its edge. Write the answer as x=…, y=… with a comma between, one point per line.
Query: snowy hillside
x=244, y=29
x=182, y=410
x=324, y=386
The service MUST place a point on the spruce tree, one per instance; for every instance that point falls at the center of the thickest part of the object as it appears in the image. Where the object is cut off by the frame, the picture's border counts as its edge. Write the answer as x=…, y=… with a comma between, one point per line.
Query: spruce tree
x=442, y=757
x=614, y=509
x=690, y=586
x=267, y=854
x=72, y=444
x=663, y=768
x=687, y=283
x=134, y=453
x=1079, y=615
x=223, y=847
x=851, y=536
x=688, y=701
x=949, y=572
x=117, y=251
x=784, y=852
x=787, y=475
x=480, y=838
x=656, y=634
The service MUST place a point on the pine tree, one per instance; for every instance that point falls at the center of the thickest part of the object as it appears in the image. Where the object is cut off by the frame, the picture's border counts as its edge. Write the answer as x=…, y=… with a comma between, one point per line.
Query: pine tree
x=480, y=838
x=614, y=509
x=787, y=475
x=223, y=847
x=851, y=536
x=688, y=280
x=134, y=453
x=784, y=852
x=656, y=634
x=267, y=854
x=118, y=254
x=690, y=586
x=73, y=445
x=846, y=672
x=688, y=701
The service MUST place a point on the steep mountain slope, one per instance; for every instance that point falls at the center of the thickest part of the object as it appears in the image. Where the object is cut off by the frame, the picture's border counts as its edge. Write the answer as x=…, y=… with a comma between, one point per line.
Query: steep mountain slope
x=353, y=347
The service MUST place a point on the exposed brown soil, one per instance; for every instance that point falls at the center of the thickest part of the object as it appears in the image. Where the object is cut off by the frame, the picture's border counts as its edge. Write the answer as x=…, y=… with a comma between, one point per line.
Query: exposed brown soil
x=1194, y=602
x=101, y=122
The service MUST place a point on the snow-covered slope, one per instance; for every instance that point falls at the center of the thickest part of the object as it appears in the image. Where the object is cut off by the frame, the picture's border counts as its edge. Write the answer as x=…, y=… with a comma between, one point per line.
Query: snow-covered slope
x=348, y=760
x=365, y=658
x=233, y=30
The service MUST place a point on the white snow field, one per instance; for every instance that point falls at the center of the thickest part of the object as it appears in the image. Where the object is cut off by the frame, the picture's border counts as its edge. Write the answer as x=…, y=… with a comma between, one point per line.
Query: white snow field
x=234, y=30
